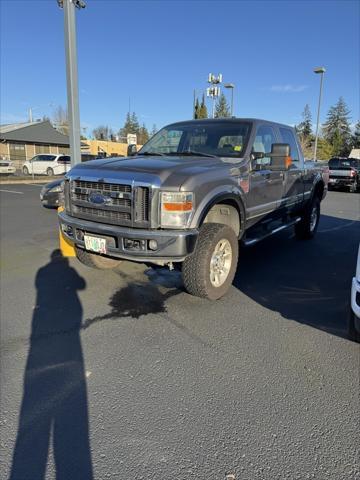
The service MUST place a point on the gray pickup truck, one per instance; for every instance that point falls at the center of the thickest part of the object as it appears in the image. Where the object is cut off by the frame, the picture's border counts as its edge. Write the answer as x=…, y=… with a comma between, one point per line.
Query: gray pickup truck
x=187, y=198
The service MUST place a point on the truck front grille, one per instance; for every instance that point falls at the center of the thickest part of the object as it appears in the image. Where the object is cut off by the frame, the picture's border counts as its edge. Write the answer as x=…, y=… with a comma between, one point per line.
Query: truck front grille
x=111, y=203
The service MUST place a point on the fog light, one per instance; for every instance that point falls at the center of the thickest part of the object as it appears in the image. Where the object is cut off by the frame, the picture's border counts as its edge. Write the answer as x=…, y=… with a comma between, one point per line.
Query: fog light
x=153, y=245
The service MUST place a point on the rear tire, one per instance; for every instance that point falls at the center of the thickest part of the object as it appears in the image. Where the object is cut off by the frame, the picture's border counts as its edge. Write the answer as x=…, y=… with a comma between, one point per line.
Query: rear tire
x=95, y=261
x=307, y=227
x=50, y=172
x=209, y=271
x=25, y=171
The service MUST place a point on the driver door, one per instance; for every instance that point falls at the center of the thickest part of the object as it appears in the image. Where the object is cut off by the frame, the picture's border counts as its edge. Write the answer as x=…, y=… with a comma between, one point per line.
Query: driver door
x=266, y=186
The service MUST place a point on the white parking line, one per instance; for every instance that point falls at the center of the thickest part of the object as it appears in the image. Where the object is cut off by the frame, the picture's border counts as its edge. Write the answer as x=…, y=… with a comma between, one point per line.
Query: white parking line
x=40, y=185
x=12, y=191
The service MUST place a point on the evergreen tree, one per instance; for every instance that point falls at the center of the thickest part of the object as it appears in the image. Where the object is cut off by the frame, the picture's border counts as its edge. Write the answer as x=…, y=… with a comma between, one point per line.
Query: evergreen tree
x=196, y=108
x=203, y=113
x=153, y=130
x=222, y=107
x=355, y=139
x=135, y=123
x=337, y=128
x=143, y=135
x=304, y=128
x=324, y=149
x=131, y=125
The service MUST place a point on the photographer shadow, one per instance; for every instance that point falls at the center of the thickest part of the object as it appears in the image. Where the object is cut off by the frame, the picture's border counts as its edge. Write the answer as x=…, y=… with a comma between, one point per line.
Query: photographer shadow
x=54, y=404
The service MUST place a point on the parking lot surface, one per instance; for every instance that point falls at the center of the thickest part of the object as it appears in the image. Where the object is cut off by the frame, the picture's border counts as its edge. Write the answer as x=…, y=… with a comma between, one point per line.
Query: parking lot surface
x=123, y=375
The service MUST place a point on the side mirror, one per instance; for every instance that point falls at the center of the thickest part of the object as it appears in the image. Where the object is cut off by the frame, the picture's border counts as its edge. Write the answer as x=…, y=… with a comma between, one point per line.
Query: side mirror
x=131, y=150
x=280, y=156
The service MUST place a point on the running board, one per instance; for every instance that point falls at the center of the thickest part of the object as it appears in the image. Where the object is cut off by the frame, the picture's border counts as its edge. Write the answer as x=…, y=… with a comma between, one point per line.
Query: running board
x=252, y=241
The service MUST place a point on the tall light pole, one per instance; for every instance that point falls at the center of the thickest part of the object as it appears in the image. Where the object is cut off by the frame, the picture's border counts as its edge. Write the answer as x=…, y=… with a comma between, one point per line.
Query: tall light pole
x=231, y=86
x=72, y=76
x=317, y=70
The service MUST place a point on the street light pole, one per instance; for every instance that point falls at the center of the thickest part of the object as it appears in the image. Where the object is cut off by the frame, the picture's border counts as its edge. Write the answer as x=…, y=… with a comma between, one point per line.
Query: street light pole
x=231, y=86
x=72, y=76
x=318, y=70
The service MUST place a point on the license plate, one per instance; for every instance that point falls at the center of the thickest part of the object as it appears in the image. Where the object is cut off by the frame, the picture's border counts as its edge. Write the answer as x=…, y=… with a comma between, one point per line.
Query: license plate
x=332, y=180
x=95, y=244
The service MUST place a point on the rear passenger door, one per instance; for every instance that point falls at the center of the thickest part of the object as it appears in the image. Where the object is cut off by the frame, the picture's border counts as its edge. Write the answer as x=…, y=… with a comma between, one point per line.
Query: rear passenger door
x=266, y=186
x=293, y=192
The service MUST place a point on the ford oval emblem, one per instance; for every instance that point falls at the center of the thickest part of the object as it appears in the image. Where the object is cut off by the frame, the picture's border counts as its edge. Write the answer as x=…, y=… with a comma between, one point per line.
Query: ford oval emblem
x=98, y=198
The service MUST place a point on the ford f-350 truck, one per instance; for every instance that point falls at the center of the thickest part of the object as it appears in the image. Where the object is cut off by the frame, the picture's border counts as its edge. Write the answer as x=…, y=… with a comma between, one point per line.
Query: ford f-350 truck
x=187, y=198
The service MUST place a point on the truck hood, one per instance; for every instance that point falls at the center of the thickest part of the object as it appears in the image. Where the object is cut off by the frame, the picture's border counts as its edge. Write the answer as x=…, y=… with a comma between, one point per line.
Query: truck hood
x=158, y=171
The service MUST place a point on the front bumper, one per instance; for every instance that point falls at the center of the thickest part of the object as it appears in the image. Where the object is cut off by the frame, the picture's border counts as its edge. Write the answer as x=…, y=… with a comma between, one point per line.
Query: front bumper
x=172, y=245
x=355, y=298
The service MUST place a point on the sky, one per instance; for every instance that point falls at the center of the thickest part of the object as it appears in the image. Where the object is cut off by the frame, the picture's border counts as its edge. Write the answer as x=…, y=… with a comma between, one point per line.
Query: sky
x=153, y=54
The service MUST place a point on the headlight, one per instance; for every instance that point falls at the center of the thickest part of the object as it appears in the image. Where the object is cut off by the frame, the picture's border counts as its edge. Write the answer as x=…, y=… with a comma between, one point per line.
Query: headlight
x=176, y=209
x=58, y=188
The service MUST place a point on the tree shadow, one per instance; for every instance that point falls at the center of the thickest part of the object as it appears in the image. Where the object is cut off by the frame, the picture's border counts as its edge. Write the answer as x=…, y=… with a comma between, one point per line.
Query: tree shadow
x=305, y=281
x=54, y=403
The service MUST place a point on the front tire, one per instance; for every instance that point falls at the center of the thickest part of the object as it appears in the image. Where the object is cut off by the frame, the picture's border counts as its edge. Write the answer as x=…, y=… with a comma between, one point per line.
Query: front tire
x=209, y=271
x=353, y=332
x=307, y=227
x=95, y=261
x=25, y=171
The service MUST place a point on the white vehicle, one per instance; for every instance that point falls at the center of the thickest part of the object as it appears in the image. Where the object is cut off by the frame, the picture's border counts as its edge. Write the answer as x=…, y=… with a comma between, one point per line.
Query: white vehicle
x=47, y=164
x=354, y=327
x=6, y=167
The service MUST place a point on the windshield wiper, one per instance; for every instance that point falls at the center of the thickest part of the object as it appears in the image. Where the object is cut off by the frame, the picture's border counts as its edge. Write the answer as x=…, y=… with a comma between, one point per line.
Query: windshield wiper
x=191, y=153
x=154, y=154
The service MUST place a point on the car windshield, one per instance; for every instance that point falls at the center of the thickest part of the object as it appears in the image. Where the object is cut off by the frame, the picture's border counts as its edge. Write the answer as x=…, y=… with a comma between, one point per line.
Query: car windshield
x=207, y=139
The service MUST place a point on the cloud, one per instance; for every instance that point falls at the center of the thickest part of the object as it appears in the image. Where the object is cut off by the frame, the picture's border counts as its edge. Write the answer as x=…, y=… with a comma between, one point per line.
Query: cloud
x=288, y=88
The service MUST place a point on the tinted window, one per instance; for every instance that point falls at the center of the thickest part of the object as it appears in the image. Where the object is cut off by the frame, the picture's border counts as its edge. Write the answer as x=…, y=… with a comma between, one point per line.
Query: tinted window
x=46, y=158
x=333, y=162
x=288, y=137
x=64, y=159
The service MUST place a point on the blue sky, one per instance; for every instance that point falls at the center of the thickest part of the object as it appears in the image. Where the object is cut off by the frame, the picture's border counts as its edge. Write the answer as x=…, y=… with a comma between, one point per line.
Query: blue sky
x=157, y=52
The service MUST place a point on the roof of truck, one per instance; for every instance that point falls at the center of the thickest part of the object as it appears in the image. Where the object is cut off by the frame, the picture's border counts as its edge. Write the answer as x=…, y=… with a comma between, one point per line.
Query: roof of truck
x=232, y=120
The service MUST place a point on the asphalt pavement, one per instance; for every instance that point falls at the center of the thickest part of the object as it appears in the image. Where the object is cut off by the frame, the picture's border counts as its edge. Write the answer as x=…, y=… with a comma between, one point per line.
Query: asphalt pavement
x=122, y=375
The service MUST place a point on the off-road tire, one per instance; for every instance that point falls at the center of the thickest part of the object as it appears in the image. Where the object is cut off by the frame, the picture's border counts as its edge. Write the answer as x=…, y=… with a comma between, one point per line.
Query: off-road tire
x=94, y=260
x=196, y=267
x=303, y=229
x=25, y=171
x=50, y=172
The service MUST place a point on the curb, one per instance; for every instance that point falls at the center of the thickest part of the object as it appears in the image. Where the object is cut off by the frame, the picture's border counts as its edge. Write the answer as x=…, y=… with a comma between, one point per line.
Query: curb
x=15, y=181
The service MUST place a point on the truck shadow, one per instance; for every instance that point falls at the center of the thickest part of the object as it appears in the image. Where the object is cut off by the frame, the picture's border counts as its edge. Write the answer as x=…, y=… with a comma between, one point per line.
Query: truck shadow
x=305, y=281
x=54, y=409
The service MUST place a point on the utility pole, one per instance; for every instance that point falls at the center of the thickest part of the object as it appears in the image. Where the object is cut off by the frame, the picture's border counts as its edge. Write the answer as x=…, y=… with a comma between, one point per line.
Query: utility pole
x=69, y=7
x=321, y=71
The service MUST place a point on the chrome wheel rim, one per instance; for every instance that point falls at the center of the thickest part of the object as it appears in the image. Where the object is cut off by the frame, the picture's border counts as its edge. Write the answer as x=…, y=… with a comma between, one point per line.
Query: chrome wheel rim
x=313, y=218
x=220, y=263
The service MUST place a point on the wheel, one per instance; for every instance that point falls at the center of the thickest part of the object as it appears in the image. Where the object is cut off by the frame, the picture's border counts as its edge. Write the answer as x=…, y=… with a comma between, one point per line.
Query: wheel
x=25, y=171
x=49, y=172
x=306, y=228
x=353, y=332
x=95, y=261
x=209, y=271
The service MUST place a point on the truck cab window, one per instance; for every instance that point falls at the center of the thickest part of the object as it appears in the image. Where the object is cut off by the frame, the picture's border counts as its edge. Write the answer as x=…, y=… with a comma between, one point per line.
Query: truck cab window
x=288, y=137
x=264, y=139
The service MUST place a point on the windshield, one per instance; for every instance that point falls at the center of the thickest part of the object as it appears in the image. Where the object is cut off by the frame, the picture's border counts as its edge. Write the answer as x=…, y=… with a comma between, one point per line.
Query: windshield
x=221, y=139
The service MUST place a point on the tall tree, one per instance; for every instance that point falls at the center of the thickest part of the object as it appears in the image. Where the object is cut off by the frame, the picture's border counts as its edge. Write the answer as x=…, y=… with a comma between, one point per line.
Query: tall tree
x=355, y=139
x=222, y=108
x=60, y=120
x=304, y=128
x=196, y=108
x=103, y=132
x=337, y=128
x=129, y=127
x=203, y=113
x=153, y=130
x=143, y=135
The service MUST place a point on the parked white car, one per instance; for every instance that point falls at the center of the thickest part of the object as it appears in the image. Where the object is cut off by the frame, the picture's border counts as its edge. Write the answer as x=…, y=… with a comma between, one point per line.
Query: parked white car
x=6, y=167
x=47, y=164
x=354, y=327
